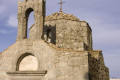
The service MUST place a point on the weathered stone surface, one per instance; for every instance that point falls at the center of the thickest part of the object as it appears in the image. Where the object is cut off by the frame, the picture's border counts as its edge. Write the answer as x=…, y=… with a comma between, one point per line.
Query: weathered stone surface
x=67, y=33
x=97, y=66
x=59, y=50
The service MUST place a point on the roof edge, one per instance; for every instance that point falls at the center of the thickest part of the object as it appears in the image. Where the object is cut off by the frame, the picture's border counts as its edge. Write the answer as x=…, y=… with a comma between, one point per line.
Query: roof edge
x=61, y=15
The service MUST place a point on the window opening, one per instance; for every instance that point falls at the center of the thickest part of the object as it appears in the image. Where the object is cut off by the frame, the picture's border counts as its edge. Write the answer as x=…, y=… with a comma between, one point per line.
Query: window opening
x=49, y=35
x=30, y=20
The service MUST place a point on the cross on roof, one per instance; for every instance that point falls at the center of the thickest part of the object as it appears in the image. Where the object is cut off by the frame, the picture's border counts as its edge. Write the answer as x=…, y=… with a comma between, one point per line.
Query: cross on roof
x=61, y=3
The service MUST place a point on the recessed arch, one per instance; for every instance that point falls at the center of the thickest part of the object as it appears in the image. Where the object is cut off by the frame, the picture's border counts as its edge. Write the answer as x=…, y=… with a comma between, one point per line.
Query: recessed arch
x=27, y=62
x=28, y=11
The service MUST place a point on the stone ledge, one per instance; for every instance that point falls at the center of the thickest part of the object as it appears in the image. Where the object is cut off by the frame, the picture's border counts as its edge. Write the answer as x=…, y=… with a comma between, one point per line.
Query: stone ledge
x=27, y=73
x=65, y=49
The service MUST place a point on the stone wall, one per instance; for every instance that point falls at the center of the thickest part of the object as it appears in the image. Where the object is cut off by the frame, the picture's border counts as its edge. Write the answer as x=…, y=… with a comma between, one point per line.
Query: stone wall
x=12, y=56
x=59, y=50
x=97, y=68
x=60, y=64
x=71, y=65
x=69, y=55
x=69, y=32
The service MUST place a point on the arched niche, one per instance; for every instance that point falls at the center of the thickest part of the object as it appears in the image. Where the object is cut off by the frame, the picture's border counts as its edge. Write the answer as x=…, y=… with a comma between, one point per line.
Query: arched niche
x=27, y=62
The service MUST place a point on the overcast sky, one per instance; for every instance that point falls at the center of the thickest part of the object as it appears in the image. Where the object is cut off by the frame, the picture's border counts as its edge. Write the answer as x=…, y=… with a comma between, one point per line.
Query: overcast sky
x=102, y=15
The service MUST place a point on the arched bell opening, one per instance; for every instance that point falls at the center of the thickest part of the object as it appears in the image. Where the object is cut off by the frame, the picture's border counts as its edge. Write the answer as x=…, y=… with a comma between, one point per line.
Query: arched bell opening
x=30, y=20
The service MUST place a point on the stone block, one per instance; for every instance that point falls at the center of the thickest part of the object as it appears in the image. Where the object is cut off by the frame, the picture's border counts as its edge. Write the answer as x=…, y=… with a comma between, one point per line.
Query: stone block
x=61, y=64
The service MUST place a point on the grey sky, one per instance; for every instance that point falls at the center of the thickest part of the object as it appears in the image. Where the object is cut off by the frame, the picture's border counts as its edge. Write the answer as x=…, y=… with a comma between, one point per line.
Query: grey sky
x=102, y=15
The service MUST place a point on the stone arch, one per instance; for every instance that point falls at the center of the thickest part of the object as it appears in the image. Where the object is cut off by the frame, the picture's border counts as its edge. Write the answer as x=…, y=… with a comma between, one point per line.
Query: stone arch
x=28, y=11
x=24, y=8
x=27, y=14
x=26, y=63
x=17, y=56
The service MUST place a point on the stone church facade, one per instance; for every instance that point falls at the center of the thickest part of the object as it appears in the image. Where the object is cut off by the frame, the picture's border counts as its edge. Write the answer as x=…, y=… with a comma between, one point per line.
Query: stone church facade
x=59, y=47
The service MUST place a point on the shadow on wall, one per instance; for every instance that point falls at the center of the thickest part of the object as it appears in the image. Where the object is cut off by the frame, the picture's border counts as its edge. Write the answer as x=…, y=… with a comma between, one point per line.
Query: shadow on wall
x=86, y=77
x=50, y=33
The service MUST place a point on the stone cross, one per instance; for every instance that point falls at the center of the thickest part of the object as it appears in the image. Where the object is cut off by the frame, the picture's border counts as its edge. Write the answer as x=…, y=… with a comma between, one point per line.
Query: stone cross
x=61, y=3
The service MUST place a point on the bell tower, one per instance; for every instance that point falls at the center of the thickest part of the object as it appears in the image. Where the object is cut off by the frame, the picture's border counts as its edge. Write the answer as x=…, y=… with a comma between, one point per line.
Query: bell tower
x=25, y=7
